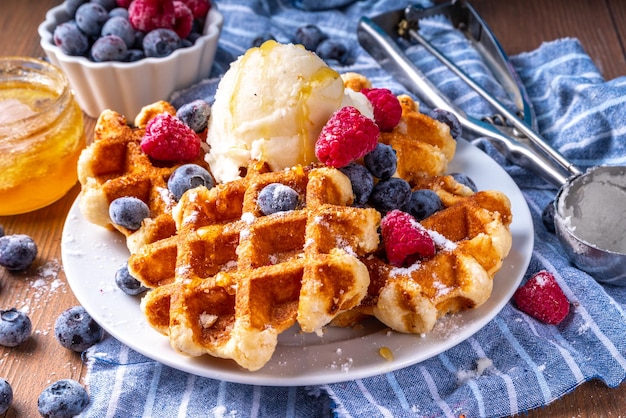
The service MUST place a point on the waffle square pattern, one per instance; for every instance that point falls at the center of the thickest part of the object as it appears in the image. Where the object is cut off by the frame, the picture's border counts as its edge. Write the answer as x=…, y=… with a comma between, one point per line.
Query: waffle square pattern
x=232, y=279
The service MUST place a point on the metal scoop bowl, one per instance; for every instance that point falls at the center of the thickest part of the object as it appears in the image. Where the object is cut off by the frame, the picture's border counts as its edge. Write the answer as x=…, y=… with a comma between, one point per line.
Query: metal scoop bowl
x=590, y=207
x=590, y=221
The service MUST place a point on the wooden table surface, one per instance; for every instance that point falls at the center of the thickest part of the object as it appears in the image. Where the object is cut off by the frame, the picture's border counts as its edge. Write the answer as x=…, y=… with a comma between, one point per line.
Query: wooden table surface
x=42, y=291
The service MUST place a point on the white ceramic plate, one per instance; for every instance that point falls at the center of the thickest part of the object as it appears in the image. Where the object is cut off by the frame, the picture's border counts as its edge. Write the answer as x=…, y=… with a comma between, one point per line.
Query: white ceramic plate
x=91, y=255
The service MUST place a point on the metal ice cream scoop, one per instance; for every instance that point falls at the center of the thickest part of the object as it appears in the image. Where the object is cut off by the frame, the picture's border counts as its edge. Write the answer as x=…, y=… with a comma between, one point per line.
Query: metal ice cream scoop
x=590, y=207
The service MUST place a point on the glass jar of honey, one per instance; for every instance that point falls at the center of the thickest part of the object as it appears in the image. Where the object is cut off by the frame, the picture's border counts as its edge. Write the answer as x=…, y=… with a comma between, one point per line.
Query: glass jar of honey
x=41, y=135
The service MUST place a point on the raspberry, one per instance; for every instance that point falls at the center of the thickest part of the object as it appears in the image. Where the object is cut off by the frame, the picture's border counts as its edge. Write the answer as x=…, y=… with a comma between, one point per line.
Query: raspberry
x=199, y=8
x=347, y=136
x=542, y=298
x=168, y=139
x=387, y=109
x=405, y=239
x=147, y=15
x=183, y=19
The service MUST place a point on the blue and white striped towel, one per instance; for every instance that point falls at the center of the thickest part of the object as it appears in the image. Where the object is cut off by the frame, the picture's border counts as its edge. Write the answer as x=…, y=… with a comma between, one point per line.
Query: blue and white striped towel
x=514, y=363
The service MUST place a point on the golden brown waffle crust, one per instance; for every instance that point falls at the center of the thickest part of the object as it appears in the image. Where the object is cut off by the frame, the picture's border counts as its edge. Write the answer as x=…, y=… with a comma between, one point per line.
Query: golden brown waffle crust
x=114, y=165
x=233, y=278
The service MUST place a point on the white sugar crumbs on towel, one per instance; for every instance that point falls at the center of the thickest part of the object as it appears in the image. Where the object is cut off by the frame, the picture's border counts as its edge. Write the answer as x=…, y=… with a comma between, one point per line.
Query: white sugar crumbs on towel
x=482, y=364
x=220, y=411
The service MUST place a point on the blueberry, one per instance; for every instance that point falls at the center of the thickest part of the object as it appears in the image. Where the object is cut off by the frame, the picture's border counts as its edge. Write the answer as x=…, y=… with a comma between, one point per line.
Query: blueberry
x=119, y=11
x=277, y=197
x=160, y=43
x=195, y=115
x=449, y=119
x=127, y=283
x=72, y=5
x=121, y=27
x=128, y=212
x=547, y=216
x=139, y=35
x=309, y=36
x=382, y=162
x=106, y=4
x=134, y=55
x=332, y=50
x=76, y=330
x=109, y=48
x=6, y=395
x=70, y=39
x=362, y=182
x=260, y=39
x=90, y=18
x=15, y=327
x=17, y=252
x=390, y=194
x=423, y=203
x=62, y=399
x=464, y=180
x=193, y=36
x=188, y=176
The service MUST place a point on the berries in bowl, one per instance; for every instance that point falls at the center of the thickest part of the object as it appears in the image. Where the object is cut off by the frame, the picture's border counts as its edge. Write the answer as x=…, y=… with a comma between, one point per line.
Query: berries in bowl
x=122, y=55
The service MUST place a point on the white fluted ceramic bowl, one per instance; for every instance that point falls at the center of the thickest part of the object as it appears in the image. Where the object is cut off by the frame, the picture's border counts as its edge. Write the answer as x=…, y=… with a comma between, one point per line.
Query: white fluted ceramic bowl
x=126, y=87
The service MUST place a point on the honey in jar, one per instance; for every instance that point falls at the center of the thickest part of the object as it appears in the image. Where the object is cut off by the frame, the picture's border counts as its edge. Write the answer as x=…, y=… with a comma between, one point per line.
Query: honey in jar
x=41, y=135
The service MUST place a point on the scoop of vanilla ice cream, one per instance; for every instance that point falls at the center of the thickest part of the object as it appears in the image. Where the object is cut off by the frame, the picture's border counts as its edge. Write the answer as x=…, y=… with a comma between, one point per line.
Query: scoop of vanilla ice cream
x=271, y=106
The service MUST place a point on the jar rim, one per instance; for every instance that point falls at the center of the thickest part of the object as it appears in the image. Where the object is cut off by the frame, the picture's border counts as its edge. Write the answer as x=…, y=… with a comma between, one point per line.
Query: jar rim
x=46, y=69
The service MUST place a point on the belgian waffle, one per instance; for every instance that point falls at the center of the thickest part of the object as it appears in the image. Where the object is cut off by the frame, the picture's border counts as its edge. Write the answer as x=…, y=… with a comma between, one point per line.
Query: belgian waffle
x=473, y=238
x=423, y=145
x=233, y=279
x=115, y=166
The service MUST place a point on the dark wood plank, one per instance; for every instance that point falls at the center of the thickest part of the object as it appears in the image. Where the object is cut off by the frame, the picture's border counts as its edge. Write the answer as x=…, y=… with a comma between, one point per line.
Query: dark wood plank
x=42, y=291
x=617, y=8
x=522, y=25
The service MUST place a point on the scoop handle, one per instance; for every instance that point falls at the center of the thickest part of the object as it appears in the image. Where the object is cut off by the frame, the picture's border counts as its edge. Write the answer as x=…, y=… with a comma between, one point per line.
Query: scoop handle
x=389, y=55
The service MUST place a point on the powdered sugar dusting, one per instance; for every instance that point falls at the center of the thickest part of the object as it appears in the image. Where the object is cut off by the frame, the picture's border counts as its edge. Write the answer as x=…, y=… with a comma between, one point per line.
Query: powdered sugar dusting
x=45, y=283
x=405, y=271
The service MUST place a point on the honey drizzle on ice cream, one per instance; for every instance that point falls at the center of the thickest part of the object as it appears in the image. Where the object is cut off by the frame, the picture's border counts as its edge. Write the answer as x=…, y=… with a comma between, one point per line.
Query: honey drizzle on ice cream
x=271, y=105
